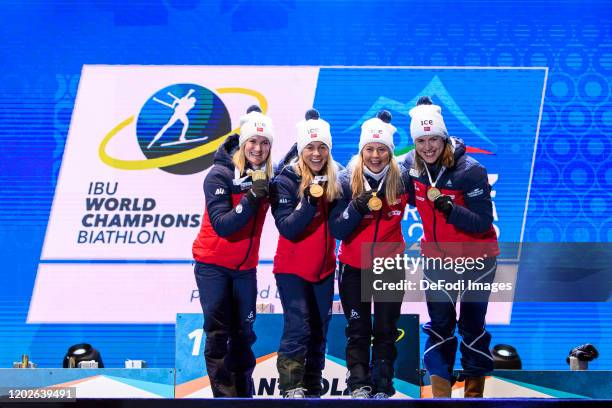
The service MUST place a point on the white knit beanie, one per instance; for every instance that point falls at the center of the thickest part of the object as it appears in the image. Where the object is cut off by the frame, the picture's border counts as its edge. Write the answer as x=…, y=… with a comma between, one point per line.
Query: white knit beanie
x=378, y=130
x=255, y=123
x=313, y=129
x=427, y=121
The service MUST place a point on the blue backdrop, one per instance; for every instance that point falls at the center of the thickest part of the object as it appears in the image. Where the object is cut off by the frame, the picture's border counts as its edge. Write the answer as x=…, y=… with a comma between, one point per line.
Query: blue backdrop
x=45, y=44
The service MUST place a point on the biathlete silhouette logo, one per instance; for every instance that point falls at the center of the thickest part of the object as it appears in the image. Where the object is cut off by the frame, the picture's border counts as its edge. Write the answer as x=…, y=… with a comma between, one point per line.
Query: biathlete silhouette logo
x=180, y=106
x=178, y=129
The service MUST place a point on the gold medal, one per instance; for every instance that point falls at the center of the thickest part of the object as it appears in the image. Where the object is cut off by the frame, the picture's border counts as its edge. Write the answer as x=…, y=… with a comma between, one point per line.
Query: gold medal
x=374, y=203
x=433, y=193
x=316, y=190
x=257, y=175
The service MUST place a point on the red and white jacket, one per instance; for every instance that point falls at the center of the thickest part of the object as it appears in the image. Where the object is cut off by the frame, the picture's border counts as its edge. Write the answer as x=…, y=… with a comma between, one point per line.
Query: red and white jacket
x=231, y=227
x=468, y=231
x=306, y=247
x=364, y=237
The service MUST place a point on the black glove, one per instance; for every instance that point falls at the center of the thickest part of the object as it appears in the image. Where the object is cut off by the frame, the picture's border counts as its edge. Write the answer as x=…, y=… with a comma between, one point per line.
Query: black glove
x=259, y=189
x=444, y=204
x=314, y=201
x=361, y=202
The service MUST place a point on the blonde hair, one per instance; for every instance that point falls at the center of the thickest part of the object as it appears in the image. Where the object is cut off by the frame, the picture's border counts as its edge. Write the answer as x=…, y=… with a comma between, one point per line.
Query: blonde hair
x=447, y=158
x=393, y=180
x=240, y=161
x=332, y=187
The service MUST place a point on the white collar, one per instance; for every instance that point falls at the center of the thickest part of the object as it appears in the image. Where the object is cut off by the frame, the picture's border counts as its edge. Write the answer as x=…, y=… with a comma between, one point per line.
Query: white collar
x=376, y=176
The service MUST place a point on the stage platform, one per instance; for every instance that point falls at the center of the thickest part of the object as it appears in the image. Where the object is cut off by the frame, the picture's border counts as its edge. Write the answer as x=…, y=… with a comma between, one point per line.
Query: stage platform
x=319, y=403
x=114, y=384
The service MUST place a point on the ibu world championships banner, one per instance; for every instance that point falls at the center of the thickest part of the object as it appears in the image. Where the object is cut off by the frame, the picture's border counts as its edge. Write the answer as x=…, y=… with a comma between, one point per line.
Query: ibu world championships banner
x=129, y=198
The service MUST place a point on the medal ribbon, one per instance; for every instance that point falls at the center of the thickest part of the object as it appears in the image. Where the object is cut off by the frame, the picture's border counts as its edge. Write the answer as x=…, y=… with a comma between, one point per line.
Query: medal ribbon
x=433, y=183
x=369, y=188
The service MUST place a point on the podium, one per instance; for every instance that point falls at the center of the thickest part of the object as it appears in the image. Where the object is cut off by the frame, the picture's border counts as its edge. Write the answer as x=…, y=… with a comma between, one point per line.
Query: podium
x=192, y=380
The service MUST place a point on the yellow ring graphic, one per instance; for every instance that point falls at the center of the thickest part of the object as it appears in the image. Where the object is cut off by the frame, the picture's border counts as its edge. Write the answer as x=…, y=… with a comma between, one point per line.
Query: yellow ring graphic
x=175, y=158
x=401, y=336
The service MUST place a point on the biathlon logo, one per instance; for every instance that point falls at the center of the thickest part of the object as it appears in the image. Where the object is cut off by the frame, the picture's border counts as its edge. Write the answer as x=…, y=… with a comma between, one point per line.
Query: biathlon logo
x=179, y=118
x=178, y=129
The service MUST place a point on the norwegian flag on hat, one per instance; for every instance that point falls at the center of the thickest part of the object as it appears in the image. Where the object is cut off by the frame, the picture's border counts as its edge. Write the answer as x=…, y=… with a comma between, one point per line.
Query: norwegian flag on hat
x=376, y=130
x=313, y=135
x=426, y=128
x=259, y=129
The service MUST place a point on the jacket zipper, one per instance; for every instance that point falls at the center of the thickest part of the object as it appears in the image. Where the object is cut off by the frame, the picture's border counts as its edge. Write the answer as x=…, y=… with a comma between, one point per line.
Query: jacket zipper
x=435, y=235
x=250, y=239
x=375, y=233
x=325, y=248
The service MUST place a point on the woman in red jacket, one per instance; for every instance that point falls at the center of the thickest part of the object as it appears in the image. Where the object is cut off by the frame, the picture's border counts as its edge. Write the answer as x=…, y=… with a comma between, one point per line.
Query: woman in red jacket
x=453, y=197
x=303, y=192
x=226, y=252
x=368, y=221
